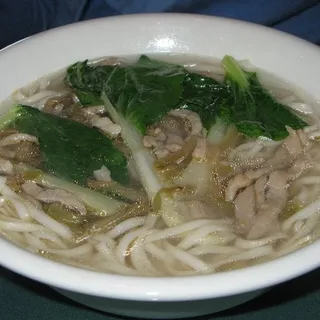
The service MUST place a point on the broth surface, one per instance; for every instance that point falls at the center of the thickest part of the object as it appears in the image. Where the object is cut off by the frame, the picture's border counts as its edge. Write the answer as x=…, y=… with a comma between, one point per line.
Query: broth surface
x=165, y=165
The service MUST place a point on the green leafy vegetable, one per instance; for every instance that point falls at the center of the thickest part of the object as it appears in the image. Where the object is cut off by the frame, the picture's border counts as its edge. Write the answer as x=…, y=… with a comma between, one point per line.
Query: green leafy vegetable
x=142, y=93
x=203, y=95
x=135, y=97
x=69, y=149
x=251, y=109
x=138, y=95
x=147, y=90
x=87, y=81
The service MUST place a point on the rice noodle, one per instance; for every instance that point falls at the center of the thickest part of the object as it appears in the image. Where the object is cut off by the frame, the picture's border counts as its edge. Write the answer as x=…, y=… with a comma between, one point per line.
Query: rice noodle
x=19, y=226
x=104, y=239
x=106, y=251
x=157, y=252
x=302, y=214
x=150, y=221
x=196, y=236
x=16, y=138
x=296, y=245
x=174, y=231
x=50, y=223
x=249, y=244
x=35, y=243
x=110, y=266
x=308, y=226
x=219, y=238
x=18, y=204
x=124, y=247
x=247, y=255
x=188, y=259
x=139, y=258
x=74, y=252
x=20, y=208
x=16, y=237
x=213, y=249
x=44, y=234
x=125, y=226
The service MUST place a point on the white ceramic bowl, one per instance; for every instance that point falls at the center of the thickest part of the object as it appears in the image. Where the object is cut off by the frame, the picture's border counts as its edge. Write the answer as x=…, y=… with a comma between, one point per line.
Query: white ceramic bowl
x=278, y=53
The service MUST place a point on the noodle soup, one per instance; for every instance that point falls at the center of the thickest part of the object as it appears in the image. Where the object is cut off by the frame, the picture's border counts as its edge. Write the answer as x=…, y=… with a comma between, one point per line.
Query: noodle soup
x=160, y=166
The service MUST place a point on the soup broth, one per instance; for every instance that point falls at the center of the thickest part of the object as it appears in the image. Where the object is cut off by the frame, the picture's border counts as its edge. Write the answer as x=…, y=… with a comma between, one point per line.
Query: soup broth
x=160, y=166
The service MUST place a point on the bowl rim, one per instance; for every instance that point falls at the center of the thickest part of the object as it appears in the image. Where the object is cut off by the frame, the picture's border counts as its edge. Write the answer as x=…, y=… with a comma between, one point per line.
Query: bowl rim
x=164, y=288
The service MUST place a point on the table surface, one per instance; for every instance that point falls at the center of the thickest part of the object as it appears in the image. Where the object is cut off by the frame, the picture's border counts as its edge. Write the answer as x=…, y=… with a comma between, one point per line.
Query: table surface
x=24, y=299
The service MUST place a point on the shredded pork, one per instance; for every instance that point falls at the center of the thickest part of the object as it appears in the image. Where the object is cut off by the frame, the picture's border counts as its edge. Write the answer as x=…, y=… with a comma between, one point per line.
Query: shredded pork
x=6, y=166
x=169, y=135
x=54, y=195
x=260, y=194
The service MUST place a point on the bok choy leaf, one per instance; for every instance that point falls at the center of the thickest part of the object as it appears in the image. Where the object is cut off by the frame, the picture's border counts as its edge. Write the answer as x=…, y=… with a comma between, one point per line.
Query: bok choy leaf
x=146, y=90
x=143, y=92
x=143, y=160
x=69, y=149
x=251, y=109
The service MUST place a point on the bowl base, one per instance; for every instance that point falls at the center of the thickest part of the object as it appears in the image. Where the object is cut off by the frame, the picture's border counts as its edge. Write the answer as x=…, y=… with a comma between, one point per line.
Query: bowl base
x=163, y=309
